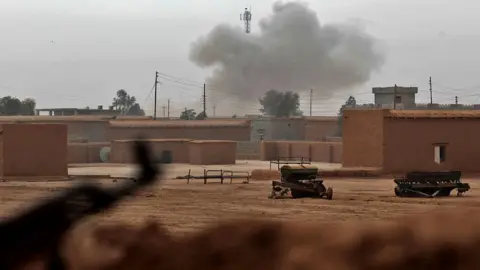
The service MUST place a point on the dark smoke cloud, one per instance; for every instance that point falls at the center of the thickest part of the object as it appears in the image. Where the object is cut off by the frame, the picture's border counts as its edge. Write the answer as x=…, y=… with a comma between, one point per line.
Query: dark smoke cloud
x=293, y=51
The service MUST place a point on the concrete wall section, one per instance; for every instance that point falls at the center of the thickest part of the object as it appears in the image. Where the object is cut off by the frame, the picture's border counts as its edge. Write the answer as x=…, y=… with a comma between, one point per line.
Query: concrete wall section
x=122, y=150
x=321, y=128
x=77, y=153
x=93, y=151
x=336, y=152
x=316, y=151
x=363, y=138
x=321, y=152
x=409, y=144
x=177, y=129
x=291, y=129
x=278, y=129
x=212, y=152
x=300, y=149
x=268, y=150
x=248, y=150
x=34, y=150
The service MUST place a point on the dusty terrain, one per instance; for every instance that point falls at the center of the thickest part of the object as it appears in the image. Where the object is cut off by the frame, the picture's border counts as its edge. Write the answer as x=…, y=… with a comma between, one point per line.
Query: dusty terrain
x=185, y=207
x=253, y=236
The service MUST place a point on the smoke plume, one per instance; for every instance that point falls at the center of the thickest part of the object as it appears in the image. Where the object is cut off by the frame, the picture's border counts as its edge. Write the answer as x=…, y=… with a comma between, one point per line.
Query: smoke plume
x=291, y=52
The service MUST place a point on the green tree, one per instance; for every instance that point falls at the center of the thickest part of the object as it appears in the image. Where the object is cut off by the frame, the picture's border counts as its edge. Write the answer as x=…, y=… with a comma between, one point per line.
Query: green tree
x=278, y=104
x=126, y=104
x=351, y=102
x=188, y=114
x=10, y=106
x=201, y=116
x=136, y=110
x=28, y=106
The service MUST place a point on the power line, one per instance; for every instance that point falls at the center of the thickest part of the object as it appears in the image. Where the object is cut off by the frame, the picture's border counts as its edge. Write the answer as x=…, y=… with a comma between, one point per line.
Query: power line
x=149, y=94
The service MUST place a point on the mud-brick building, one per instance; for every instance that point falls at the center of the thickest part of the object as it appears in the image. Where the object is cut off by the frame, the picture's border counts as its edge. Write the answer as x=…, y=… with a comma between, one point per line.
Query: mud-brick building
x=88, y=128
x=33, y=150
x=409, y=140
x=234, y=130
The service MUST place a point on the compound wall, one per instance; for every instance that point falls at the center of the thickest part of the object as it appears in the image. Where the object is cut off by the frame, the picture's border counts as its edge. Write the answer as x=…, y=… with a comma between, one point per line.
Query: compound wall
x=83, y=128
x=363, y=135
x=409, y=144
x=236, y=130
x=34, y=150
x=85, y=152
x=122, y=150
x=248, y=150
x=212, y=152
x=293, y=129
x=316, y=151
x=320, y=128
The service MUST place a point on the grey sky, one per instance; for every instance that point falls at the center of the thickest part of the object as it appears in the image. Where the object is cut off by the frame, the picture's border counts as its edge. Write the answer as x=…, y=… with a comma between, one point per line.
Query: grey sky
x=69, y=53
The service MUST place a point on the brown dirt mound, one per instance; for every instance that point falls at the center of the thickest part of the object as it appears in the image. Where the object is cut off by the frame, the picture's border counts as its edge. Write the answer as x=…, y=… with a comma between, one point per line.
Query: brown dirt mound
x=265, y=174
x=440, y=242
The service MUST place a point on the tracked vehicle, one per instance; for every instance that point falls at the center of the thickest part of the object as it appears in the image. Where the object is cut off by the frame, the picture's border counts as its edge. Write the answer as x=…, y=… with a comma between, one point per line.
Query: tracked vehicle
x=430, y=184
x=300, y=181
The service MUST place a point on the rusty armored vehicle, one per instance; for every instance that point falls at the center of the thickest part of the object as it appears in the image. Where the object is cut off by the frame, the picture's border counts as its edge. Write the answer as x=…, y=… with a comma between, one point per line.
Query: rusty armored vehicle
x=300, y=181
x=430, y=184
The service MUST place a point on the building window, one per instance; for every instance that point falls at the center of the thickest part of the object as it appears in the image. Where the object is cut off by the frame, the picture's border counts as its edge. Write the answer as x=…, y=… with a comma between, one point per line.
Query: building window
x=439, y=153
x=398, y=99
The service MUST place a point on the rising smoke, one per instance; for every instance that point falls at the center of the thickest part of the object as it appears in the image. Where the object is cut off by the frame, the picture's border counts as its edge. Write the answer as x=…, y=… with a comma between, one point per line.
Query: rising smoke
x=293, y=51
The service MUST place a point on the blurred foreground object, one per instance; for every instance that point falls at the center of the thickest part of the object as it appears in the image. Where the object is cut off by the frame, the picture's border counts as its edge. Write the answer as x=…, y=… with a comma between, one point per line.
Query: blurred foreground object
x=434, y=242
x=38, y=231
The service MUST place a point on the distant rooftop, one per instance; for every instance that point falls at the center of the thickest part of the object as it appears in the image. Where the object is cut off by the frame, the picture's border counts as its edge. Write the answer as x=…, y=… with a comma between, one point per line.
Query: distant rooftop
x=434, y=114
x=79, y=111
x=391, y=90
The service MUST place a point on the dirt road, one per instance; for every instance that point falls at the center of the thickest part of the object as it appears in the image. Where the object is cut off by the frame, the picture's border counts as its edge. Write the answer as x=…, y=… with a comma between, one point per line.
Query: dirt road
x=184, y=208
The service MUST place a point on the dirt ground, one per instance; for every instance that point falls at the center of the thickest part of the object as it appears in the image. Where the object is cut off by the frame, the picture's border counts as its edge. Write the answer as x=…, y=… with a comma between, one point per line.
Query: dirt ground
x=183, y=207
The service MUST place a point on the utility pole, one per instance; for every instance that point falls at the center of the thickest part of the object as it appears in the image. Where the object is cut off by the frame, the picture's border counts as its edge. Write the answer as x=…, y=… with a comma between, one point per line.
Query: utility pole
x=168, y=108
x=431, y=96
x=214, y=107
x=456, y=100
x=155, y=101
x=395, y=97
x=163, y=107
x=204, y=100
x=311, y=95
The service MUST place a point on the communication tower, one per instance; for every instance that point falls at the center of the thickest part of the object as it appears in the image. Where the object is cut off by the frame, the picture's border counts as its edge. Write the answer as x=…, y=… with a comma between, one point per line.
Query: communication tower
x=247, y=18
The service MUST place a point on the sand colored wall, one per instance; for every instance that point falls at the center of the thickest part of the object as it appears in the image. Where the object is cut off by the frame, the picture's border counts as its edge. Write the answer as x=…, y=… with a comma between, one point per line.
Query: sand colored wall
x=268, y=150
x=300, y=149
x=121, y=151
x=248, y=150
x=34, y=150
x=77, y=153
x=93, y=151
x=85, y=152
x=321, y=152
x=236, y=130
x=87, y=128
x=409, y=144
x=212, y=152
x=336, y=152
x=283, y=149
x=316, y=151
x=363, y=137
x=317, y=129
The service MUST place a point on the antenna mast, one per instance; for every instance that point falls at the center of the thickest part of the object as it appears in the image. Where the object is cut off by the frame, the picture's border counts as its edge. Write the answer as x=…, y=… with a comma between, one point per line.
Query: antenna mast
x=247, y=18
